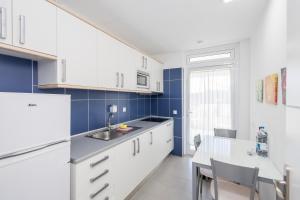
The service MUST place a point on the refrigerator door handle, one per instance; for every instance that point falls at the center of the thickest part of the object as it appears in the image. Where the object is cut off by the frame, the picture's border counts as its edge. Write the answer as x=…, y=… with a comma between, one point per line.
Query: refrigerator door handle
x=30, y=150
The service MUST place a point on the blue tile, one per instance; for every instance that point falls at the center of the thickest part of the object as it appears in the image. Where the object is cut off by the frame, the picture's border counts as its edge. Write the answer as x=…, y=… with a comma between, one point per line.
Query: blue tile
x=175, y=73
x=35, y=72
x=177, y=146
x=133, y=109
x=124, y=95
x=79, y=117
x=96, y=94
x=124, y=116
x=176, y=104
x=115, y=118
x=96, y=114
x=48, y=91
x=178, y=127
x=147, y=107
x=77, y=94
x=175, y=89
x=163, y=107
x=154, y=104
x=112, y=95
x=141, y=107
x=133, y=96
x=16, y=74
x=166, y=74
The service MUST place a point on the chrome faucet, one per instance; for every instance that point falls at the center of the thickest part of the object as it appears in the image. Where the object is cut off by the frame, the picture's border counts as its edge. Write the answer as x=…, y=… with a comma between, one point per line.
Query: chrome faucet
x=110, y=116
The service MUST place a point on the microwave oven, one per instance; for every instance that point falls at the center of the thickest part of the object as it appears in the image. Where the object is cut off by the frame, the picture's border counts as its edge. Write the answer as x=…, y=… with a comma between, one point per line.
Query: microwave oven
x=143, y=80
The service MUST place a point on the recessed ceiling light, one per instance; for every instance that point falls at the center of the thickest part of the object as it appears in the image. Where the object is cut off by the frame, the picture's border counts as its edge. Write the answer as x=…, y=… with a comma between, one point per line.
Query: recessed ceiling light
x=227, y=1
x=200, y=41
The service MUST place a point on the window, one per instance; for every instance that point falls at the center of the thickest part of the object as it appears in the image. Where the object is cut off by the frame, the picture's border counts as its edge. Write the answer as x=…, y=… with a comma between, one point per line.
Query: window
x=209, y=57
x=210, y=99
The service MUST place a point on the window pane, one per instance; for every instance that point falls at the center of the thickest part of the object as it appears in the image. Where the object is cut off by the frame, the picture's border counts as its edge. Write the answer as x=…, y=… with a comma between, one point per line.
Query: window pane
x=210, y=57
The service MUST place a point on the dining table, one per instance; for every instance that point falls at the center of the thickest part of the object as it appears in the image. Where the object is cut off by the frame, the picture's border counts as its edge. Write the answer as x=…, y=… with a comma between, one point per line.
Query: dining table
x=233, y=151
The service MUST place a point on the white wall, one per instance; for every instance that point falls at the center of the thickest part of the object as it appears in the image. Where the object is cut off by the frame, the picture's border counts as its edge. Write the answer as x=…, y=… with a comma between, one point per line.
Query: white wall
x=268, y=56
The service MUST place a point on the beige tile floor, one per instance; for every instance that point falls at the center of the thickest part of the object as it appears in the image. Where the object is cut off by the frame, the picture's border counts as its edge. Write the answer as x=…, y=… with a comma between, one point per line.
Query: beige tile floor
x=171, y=181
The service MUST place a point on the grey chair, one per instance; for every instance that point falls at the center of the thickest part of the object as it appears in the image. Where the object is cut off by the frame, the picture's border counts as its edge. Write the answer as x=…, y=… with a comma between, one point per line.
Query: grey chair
x=225, y=133
x=226, y=177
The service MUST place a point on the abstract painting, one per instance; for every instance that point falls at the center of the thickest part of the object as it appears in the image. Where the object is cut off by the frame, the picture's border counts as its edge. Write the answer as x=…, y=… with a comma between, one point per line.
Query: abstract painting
x=260, y=91
x=283, y=85
x=271, y=89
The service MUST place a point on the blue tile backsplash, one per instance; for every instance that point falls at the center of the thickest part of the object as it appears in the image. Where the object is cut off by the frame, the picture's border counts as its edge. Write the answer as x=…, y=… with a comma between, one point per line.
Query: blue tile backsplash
x=170, y=104
x=89, y=108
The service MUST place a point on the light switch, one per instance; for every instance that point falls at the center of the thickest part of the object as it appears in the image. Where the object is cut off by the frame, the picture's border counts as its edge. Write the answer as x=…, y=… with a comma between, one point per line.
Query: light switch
x=124, y=109
x=174, y=112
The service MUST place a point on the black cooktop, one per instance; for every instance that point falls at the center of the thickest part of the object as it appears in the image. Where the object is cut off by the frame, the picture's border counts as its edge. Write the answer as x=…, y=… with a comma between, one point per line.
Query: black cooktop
x=154, y=119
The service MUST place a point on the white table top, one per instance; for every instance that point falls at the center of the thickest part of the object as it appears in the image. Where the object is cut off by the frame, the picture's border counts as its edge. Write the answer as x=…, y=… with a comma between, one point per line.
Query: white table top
x=234, y=151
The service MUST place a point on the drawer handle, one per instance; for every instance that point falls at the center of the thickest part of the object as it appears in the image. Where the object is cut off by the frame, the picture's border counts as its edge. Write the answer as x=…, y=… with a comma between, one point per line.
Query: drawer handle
x=170, y=140
x=98, y=162
x=92, y=180
x=99, y=191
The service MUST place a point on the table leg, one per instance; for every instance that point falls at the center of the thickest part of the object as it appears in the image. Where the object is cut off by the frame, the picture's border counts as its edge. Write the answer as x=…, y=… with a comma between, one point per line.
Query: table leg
x=194, y=183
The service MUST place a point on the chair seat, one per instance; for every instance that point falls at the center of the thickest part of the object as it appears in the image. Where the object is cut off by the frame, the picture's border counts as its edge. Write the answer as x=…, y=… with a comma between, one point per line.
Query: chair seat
x=228, y=191
x=206, y=172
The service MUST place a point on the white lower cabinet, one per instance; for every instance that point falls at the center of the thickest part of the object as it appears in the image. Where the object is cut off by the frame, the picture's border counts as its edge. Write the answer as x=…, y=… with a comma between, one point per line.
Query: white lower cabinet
x=115, y=173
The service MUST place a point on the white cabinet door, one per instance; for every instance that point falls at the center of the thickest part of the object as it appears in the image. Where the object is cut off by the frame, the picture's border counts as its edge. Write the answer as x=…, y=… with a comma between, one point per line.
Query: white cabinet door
x=5, y=21
x=124, y=169
x=108, y=74
x=34, y=25
x=156, y=75
x=77, y=49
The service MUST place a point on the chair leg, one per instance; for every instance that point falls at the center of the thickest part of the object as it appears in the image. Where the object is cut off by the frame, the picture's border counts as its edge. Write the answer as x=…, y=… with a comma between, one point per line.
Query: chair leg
x=201, y=183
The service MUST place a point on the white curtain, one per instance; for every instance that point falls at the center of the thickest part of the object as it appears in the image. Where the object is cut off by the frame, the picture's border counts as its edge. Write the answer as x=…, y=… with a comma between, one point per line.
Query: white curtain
x=210, y=101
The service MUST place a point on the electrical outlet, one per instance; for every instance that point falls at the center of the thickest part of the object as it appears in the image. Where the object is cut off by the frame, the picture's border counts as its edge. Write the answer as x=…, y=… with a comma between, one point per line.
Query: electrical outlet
x=124, y=109
x=175, y=112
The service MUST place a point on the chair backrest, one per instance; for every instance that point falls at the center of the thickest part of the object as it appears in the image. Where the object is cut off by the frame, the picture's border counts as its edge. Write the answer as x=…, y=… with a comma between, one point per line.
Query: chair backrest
x=197, y=141
x=225, y=133
x=243, y=175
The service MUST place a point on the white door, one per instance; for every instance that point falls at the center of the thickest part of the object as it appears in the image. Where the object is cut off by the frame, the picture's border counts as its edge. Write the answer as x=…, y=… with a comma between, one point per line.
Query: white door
x=34, y=25
x=43, y=174
x=31, y=120
x=5, y=21
x=293, y=98
x=77, y=47
x=209, y=102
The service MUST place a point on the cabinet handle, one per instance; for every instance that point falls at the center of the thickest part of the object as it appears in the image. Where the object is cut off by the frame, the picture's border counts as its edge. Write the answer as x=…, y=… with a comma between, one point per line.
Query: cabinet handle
x=64, y=70
x=99, y=191
x=122, y=80
x=3, y=21
x=92, y=180
x=138, y=141
x=159, y=86
x=146, y=63
x=22, y=29
x=143, y=62
x=169, y=124
x=118, y=79
x=151, y=138
x=170, y=140
x=134, y=153
x=106, y=198
x=99, y=161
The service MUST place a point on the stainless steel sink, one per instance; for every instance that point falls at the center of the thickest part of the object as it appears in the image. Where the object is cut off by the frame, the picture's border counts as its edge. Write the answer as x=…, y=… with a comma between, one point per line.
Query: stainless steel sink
x=107, y=134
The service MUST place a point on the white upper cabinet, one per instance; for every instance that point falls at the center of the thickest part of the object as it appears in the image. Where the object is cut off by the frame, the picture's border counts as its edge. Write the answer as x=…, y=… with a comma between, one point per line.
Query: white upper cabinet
x=156, y=72
x=5, y=22
x=77, y=50
x=34, y=25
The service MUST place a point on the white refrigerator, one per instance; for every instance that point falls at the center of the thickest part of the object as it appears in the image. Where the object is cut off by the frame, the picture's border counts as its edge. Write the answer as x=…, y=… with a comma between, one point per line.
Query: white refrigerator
x=34, y=146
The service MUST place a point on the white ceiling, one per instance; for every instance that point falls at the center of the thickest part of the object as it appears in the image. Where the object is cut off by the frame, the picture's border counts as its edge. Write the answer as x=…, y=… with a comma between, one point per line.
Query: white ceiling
x=161, y=26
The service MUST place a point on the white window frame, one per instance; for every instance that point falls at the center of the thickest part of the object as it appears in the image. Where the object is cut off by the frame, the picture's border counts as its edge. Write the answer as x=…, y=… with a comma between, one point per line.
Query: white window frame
x=217, y=63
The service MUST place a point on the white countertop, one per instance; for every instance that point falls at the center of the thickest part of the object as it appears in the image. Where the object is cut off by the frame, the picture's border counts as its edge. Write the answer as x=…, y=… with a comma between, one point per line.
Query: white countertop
x=234, y=151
